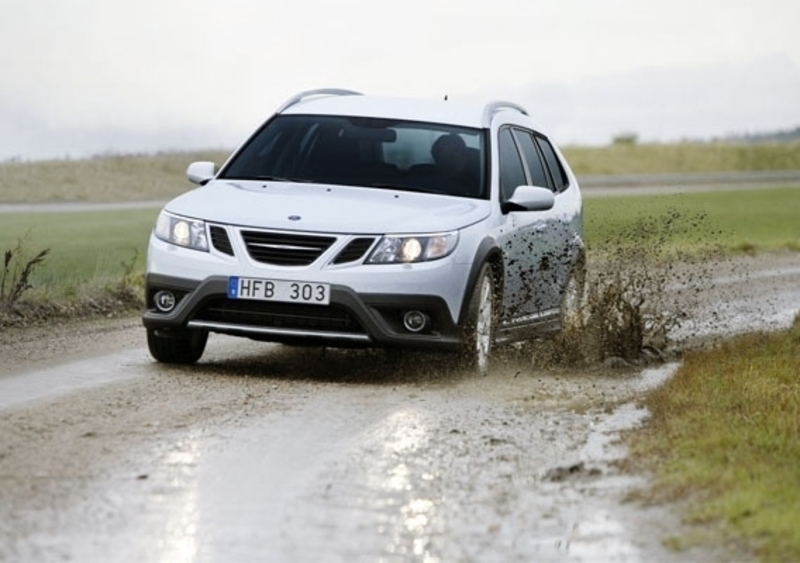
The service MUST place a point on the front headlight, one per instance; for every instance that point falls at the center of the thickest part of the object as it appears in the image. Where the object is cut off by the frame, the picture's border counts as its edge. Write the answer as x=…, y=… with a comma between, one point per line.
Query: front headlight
x=182, y=231
x=404, y=249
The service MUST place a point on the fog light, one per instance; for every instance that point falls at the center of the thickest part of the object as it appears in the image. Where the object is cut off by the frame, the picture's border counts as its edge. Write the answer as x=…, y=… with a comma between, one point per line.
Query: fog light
x=164, y=301
x=415, y=321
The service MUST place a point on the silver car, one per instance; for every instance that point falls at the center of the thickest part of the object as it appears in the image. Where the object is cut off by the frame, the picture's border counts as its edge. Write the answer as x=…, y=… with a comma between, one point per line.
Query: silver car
x=351, y=220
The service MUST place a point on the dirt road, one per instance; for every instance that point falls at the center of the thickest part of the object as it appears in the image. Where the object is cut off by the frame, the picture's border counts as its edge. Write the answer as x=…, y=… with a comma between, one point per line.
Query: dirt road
x=272, y=453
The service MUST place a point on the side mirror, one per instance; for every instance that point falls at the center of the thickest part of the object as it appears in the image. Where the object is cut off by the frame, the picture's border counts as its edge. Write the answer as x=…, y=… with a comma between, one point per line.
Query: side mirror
x=530, y=198
x=201, y=172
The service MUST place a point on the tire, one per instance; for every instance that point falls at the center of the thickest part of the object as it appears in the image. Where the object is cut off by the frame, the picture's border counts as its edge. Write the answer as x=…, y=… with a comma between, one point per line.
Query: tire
x=479, y=324
x=179, y=347
x=572, y=300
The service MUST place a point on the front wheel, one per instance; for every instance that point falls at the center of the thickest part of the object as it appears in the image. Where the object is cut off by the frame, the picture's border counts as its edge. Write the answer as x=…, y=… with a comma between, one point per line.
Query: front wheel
x=177, y=347
x=478, y=333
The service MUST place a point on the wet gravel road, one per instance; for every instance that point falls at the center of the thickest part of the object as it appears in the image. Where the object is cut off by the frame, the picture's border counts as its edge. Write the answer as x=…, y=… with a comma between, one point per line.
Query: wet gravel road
x=273, y=453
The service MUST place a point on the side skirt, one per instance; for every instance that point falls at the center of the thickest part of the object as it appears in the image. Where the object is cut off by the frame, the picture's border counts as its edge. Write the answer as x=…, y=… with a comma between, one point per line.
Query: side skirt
x=527, y=327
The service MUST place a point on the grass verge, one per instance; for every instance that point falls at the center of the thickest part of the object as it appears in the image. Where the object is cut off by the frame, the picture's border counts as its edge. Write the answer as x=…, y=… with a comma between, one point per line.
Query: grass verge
x=95, y=265
x=725, y=435
x=87, y=249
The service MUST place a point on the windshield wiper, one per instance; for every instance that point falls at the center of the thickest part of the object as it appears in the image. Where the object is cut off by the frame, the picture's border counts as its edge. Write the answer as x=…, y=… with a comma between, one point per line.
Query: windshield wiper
x=407, y=188
x=267, y=178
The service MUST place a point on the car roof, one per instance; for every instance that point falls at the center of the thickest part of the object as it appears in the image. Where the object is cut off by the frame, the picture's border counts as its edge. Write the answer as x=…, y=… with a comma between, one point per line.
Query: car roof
x=466, y=114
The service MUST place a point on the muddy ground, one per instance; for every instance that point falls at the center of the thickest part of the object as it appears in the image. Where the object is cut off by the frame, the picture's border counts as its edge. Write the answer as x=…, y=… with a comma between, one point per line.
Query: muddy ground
x=272, y=453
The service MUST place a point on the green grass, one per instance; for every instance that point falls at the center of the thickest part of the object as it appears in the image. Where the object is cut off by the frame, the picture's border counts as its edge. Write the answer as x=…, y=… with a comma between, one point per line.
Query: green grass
x=757, y=220
x=725, y=434
x=87, y=250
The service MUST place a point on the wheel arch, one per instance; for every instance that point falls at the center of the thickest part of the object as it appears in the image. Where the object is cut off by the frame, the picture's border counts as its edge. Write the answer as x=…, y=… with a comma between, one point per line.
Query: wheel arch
x=488, y=252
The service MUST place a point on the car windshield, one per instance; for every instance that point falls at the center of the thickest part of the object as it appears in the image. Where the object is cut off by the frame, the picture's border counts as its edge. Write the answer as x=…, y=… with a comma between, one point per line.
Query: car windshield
x=365, y=152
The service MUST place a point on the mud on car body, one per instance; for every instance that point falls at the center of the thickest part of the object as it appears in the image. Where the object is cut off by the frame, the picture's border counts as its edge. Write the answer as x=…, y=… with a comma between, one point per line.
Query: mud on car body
x=355, y=220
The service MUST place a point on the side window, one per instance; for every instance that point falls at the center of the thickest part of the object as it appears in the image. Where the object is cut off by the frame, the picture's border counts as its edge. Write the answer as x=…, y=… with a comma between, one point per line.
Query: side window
x=512, y=174
x=556, y=170
x=532, y=159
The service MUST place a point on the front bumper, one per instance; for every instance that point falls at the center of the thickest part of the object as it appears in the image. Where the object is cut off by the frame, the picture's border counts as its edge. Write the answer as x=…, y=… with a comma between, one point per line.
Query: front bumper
x=351, y=319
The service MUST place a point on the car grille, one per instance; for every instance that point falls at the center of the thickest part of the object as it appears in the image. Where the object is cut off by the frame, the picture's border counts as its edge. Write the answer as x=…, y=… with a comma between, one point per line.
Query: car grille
x=220, y=240
x=280, y=315
x=354, y=250
x=283, y=249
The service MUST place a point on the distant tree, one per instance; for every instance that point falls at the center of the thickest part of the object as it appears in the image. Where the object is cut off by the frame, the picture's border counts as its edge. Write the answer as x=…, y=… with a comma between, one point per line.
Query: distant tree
x=625, y=138
x=777, y=136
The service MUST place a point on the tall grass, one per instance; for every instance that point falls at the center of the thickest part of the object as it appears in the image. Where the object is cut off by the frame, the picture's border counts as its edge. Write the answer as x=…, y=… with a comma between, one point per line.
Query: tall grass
x=15, y=273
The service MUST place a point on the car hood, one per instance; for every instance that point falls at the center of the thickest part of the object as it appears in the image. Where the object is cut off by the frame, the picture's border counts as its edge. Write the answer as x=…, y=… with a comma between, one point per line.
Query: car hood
x=327, y=208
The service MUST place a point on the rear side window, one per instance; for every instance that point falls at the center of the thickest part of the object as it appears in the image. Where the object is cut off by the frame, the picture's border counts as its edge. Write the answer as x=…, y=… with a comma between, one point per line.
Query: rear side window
x=512, y=174
x=556, y=170
x=532, y=159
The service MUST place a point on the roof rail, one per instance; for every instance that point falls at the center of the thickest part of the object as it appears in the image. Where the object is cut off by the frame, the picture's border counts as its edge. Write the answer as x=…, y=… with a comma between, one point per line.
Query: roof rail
x=498, y=105
x=297, y=98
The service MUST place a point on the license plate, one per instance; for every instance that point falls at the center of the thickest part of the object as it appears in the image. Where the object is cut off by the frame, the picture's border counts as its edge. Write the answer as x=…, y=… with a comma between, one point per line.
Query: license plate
x=279, y=290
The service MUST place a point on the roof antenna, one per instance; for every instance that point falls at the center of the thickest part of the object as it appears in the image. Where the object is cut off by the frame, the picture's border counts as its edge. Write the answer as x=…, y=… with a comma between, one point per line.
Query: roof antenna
x=445, y=97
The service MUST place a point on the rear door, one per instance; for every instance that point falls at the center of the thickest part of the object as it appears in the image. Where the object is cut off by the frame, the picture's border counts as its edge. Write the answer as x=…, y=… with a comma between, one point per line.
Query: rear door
x=565, y=229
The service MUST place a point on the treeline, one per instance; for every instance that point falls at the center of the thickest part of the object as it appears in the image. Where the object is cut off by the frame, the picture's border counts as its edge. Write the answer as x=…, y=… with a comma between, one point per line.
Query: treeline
x=783, y=136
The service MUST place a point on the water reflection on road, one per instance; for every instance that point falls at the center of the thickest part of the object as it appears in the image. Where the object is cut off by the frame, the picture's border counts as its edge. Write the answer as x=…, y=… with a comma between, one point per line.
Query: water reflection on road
x=178, y=541
x=407, y=514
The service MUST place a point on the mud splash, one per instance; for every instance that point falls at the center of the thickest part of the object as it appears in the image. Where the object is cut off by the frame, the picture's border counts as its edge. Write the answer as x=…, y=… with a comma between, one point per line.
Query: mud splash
x=640, y=287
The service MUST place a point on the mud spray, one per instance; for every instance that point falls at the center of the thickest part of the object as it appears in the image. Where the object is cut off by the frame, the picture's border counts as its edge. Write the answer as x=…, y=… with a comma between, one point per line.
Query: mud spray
x=640, y=284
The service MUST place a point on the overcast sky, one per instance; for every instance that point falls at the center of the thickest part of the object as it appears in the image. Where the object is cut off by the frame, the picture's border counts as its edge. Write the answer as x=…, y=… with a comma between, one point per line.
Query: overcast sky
x=81, y=77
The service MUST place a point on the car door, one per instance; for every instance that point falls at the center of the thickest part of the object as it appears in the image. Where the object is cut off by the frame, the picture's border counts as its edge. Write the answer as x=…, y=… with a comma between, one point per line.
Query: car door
x=566, y=228
x=529, y=249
